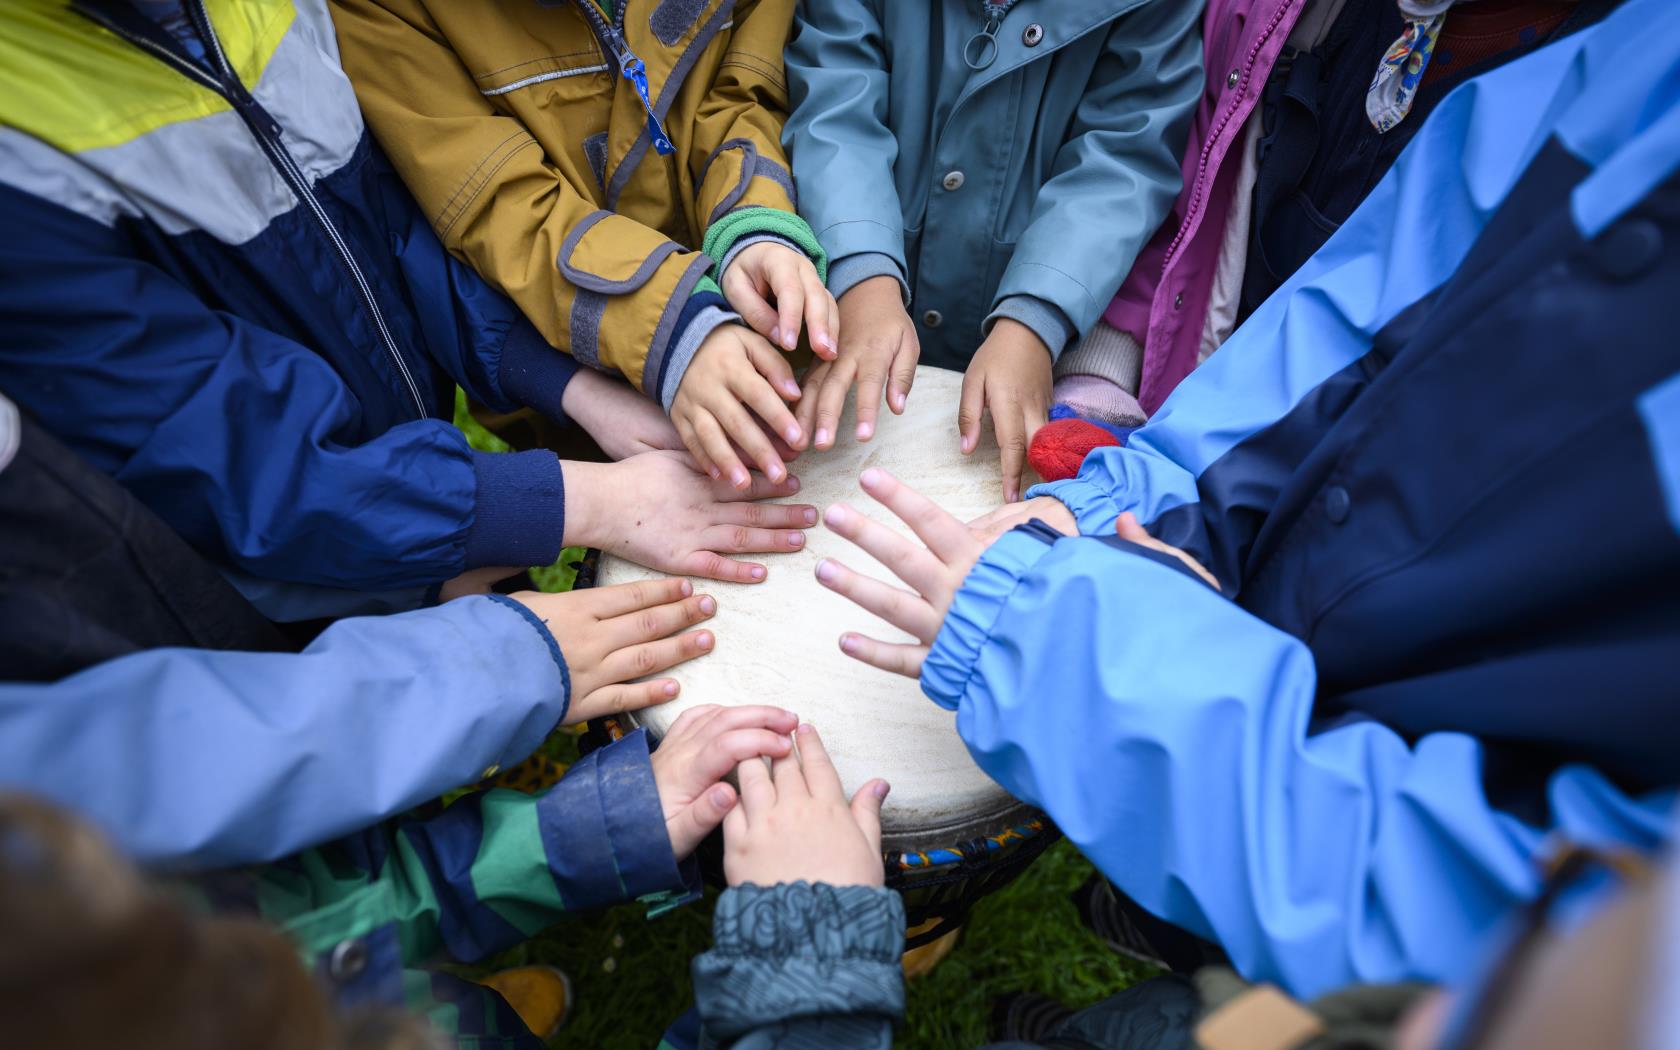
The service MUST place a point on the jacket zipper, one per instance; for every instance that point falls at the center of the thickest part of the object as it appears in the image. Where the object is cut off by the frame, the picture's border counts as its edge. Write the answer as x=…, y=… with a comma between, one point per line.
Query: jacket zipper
x=1213, y=136
x=630, y=67
x=267, y=132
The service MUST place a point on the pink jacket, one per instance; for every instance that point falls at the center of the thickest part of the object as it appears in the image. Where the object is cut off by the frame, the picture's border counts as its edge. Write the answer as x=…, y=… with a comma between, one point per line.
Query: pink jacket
x=1164, y=299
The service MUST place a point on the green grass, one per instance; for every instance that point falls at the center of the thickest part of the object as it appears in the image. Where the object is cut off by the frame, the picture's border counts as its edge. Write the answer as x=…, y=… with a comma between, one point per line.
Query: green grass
x=630, y=973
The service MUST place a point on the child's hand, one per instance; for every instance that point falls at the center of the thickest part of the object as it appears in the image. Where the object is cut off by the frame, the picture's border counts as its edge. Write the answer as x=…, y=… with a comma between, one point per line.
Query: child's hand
x=1128, y=529
x=617, y=415
x=702, y=746
x=793, y=823
x=935, y=571
x=784, y=275
x=1010, y=377
x=1048, y=509
x=878, y=344
x=735, y=374
x=610, y=635
x=657, y=510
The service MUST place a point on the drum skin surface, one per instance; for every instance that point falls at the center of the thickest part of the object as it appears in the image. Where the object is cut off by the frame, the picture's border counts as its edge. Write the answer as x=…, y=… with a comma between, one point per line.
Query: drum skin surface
x=778, y=641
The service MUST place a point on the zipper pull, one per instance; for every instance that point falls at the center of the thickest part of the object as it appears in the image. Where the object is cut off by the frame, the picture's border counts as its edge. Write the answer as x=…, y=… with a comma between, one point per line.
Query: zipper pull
x=631, y=68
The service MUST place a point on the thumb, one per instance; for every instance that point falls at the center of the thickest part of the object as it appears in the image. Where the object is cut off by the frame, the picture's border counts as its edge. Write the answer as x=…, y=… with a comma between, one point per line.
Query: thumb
x=700, y=818
x=1127, y=528
x=866, y=810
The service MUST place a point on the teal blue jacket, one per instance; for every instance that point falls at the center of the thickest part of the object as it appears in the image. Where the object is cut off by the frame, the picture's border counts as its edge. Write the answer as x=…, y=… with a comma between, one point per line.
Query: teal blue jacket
x=1022, y=189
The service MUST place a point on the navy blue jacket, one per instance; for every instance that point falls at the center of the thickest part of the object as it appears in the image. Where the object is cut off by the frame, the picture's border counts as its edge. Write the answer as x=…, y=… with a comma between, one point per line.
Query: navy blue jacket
x=1438, y=478
x=213, y=287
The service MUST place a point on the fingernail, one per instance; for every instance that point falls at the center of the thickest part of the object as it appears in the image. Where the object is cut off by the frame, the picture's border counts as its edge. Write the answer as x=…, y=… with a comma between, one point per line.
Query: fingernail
x=825, y=341
x=705, y=640
x=870, y=477
x=822, y=436
x=756, y=572
x=810, y=515
x=793, y=483
x=825, y=570
x=865, y=431
x=881, y=789
x=804, y=729
x=792, y=434
x=776, y=472
x=686, y=588
x=776, y=334
x=722, y=797
x=670, y=689
x=848, y=644
x=796, y=539
x=789, y=340
x=738, y=478
x=713, y=471
x=708, y=605
x=791, y=389
x=837, y=514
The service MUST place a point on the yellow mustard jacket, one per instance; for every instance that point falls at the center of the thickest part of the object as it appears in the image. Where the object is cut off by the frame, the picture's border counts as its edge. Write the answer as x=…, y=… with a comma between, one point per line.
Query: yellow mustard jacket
x=525, y=134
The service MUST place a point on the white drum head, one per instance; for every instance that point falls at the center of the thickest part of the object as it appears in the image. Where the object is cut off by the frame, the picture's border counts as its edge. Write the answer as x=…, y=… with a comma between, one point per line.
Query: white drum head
x=778, y=641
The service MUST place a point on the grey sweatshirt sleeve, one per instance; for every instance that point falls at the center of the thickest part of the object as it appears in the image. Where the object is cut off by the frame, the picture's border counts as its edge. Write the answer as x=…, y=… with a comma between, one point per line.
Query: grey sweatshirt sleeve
x=817, y=966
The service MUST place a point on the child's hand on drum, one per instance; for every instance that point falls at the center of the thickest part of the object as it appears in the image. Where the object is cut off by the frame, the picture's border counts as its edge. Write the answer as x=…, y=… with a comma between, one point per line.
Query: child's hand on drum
x=610, y=635
x=794, y=824
x=731, y=401
x=1010, y=379
x=878, y=350
x=772, y=272
x=657, y=510
x=703, y=746
x=935, y=571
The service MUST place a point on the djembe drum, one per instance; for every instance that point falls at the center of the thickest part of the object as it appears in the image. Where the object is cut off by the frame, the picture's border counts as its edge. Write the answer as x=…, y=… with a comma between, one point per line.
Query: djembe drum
x=949, y=832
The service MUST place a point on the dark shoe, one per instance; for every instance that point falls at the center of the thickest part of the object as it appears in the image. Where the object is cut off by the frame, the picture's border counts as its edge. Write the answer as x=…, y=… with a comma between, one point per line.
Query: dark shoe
x=1136, y=934
x=1023, y=1017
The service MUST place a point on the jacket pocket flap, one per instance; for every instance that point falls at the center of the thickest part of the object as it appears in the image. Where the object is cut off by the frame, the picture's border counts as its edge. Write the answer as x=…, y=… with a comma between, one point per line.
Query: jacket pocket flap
x=614, y=260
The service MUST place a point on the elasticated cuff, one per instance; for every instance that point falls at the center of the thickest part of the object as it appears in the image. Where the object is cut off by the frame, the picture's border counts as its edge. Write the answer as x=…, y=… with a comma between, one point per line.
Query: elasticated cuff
x=603, y=828
x=977, y=605
x=701, y=315
x=1046, y=320
x=519, y=512
x=795, y=950
x=846, y=274
x=536, y=624
x=748, y=222
x=1092, y=506
x=534, y=374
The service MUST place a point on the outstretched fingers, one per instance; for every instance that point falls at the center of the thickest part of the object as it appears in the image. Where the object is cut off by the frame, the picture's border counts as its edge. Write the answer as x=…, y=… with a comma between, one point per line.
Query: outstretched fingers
x=944, y=534
x=887, y=656
x=907, y=611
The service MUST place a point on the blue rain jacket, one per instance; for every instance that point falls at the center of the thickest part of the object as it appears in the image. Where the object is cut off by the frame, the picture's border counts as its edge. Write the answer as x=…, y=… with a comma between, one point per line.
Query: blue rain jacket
x=1438, y=478
x=214, y=288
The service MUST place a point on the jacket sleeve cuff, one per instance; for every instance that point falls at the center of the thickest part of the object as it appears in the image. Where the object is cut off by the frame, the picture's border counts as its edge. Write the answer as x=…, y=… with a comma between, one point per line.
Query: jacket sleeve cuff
x=752, y=221
x=534, y=374
x=536, y=624
x=603, y=829
x=1046, y=320
x=792, y=951
x=1093, y=506
x=853, y=270
x=519, y=511
x=703, y=313
x=976, y=607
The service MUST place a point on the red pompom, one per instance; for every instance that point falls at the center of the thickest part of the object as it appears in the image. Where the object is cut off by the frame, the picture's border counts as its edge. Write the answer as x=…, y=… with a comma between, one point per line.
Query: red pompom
x=1060, y=446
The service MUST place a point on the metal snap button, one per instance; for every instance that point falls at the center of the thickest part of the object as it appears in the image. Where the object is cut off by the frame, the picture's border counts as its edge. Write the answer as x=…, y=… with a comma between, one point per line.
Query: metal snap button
x=1337, y=502
x=1032, y=35
x=348, y=960
x=1178, y=301
x=1231, y=81
x=933, y=318
x=490, y=770
x=953, y=180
